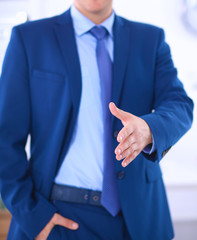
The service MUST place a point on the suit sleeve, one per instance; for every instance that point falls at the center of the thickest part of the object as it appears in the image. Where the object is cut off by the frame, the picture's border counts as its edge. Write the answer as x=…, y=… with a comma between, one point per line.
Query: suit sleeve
x=172, y=116
x=31, y=210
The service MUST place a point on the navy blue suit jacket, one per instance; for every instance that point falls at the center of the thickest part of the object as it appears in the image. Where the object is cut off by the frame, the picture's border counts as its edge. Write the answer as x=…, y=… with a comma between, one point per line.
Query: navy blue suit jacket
x=40, y=90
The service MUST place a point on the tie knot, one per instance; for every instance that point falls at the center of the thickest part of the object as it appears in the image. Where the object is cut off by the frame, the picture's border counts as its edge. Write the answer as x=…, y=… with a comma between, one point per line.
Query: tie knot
x=99, y=32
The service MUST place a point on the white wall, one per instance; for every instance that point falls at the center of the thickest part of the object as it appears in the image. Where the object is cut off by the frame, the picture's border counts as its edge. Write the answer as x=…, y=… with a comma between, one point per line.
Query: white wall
x=180, y=164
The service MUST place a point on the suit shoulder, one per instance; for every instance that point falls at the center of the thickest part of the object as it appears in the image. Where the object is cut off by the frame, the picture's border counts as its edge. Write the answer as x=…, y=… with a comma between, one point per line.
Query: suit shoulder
x=37, y=24
x=140, y=26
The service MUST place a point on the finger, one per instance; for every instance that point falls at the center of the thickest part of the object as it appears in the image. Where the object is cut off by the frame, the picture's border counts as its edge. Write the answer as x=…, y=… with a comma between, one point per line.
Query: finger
x=125, y=144
x=65, y=222
x=129, y=151
x=120, y=114
x=124, y=133
x=45, y=232
x=130, y=158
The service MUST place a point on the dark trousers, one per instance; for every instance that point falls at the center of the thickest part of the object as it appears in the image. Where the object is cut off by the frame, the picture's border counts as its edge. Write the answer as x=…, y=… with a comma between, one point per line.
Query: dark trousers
x=95, y=223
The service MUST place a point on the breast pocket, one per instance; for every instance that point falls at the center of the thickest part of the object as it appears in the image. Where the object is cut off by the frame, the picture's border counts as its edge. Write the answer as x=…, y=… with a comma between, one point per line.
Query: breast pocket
x=43, y=75
x=49, y=93
x=47, y=86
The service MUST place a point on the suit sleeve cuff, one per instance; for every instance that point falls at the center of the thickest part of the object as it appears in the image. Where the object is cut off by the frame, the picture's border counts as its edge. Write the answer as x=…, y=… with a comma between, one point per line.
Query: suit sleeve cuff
x=33, y=223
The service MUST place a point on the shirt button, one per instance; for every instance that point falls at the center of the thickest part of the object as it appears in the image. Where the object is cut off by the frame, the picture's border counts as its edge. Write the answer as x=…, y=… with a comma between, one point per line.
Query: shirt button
x=121, y=175
x=115, y=134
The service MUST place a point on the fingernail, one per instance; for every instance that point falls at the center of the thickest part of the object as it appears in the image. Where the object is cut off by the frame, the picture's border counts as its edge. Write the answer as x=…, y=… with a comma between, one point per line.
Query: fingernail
x=121, y=138
x=119, y=157
x=124, y=164
x=75, y=225
x=119, y=151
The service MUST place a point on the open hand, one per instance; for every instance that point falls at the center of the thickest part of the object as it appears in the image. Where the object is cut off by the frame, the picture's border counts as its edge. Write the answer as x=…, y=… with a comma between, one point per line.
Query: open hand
x=133, y=137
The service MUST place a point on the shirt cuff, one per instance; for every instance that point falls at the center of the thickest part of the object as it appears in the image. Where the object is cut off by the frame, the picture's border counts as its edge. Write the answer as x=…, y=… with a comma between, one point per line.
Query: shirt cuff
x=150, y=148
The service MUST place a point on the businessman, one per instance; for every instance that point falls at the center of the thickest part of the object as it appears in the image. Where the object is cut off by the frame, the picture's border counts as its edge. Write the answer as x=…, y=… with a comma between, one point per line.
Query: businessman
x=100, y=98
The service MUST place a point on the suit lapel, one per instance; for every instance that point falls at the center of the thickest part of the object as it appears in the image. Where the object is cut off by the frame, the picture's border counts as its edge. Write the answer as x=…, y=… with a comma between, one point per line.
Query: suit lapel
x=121, y=52
x=67, y=43
x=66, y=39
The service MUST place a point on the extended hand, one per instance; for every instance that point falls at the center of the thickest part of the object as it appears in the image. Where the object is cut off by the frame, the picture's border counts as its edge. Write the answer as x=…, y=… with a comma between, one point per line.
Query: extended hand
x=57, y=219
x=133, y=137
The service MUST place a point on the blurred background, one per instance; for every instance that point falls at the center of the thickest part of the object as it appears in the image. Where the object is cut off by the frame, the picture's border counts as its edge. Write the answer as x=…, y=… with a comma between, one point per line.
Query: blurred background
x=179, y=20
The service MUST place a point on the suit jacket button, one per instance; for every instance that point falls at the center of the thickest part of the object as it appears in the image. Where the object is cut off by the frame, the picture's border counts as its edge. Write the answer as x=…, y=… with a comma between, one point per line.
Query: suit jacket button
x=115, y=134
x=121, y=175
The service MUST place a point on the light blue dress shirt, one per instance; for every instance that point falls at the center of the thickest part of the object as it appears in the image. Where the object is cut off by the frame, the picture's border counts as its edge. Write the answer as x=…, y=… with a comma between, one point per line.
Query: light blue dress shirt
x=83, y=163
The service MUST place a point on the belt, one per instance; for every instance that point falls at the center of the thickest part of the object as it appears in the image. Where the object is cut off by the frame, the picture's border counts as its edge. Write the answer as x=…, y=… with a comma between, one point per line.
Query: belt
x=75, y=195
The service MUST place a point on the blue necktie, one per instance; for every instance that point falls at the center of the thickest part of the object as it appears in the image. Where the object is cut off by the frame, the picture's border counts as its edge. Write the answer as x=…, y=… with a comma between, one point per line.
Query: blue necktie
x=109, y=199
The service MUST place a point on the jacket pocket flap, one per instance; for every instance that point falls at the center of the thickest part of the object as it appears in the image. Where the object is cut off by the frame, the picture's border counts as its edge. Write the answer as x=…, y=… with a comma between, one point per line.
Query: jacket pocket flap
x=153, y=172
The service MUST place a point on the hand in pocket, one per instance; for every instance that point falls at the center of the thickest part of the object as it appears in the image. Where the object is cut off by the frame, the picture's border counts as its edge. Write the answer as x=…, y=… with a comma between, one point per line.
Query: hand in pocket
x=57, y=219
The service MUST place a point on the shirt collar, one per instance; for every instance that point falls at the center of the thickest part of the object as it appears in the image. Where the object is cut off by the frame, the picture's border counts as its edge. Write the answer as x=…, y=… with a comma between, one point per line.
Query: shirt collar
x=82, y=24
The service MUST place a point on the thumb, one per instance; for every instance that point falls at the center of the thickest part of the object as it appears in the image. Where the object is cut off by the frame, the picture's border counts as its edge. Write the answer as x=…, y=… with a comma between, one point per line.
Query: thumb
x=65, y=222
x=120, y=114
